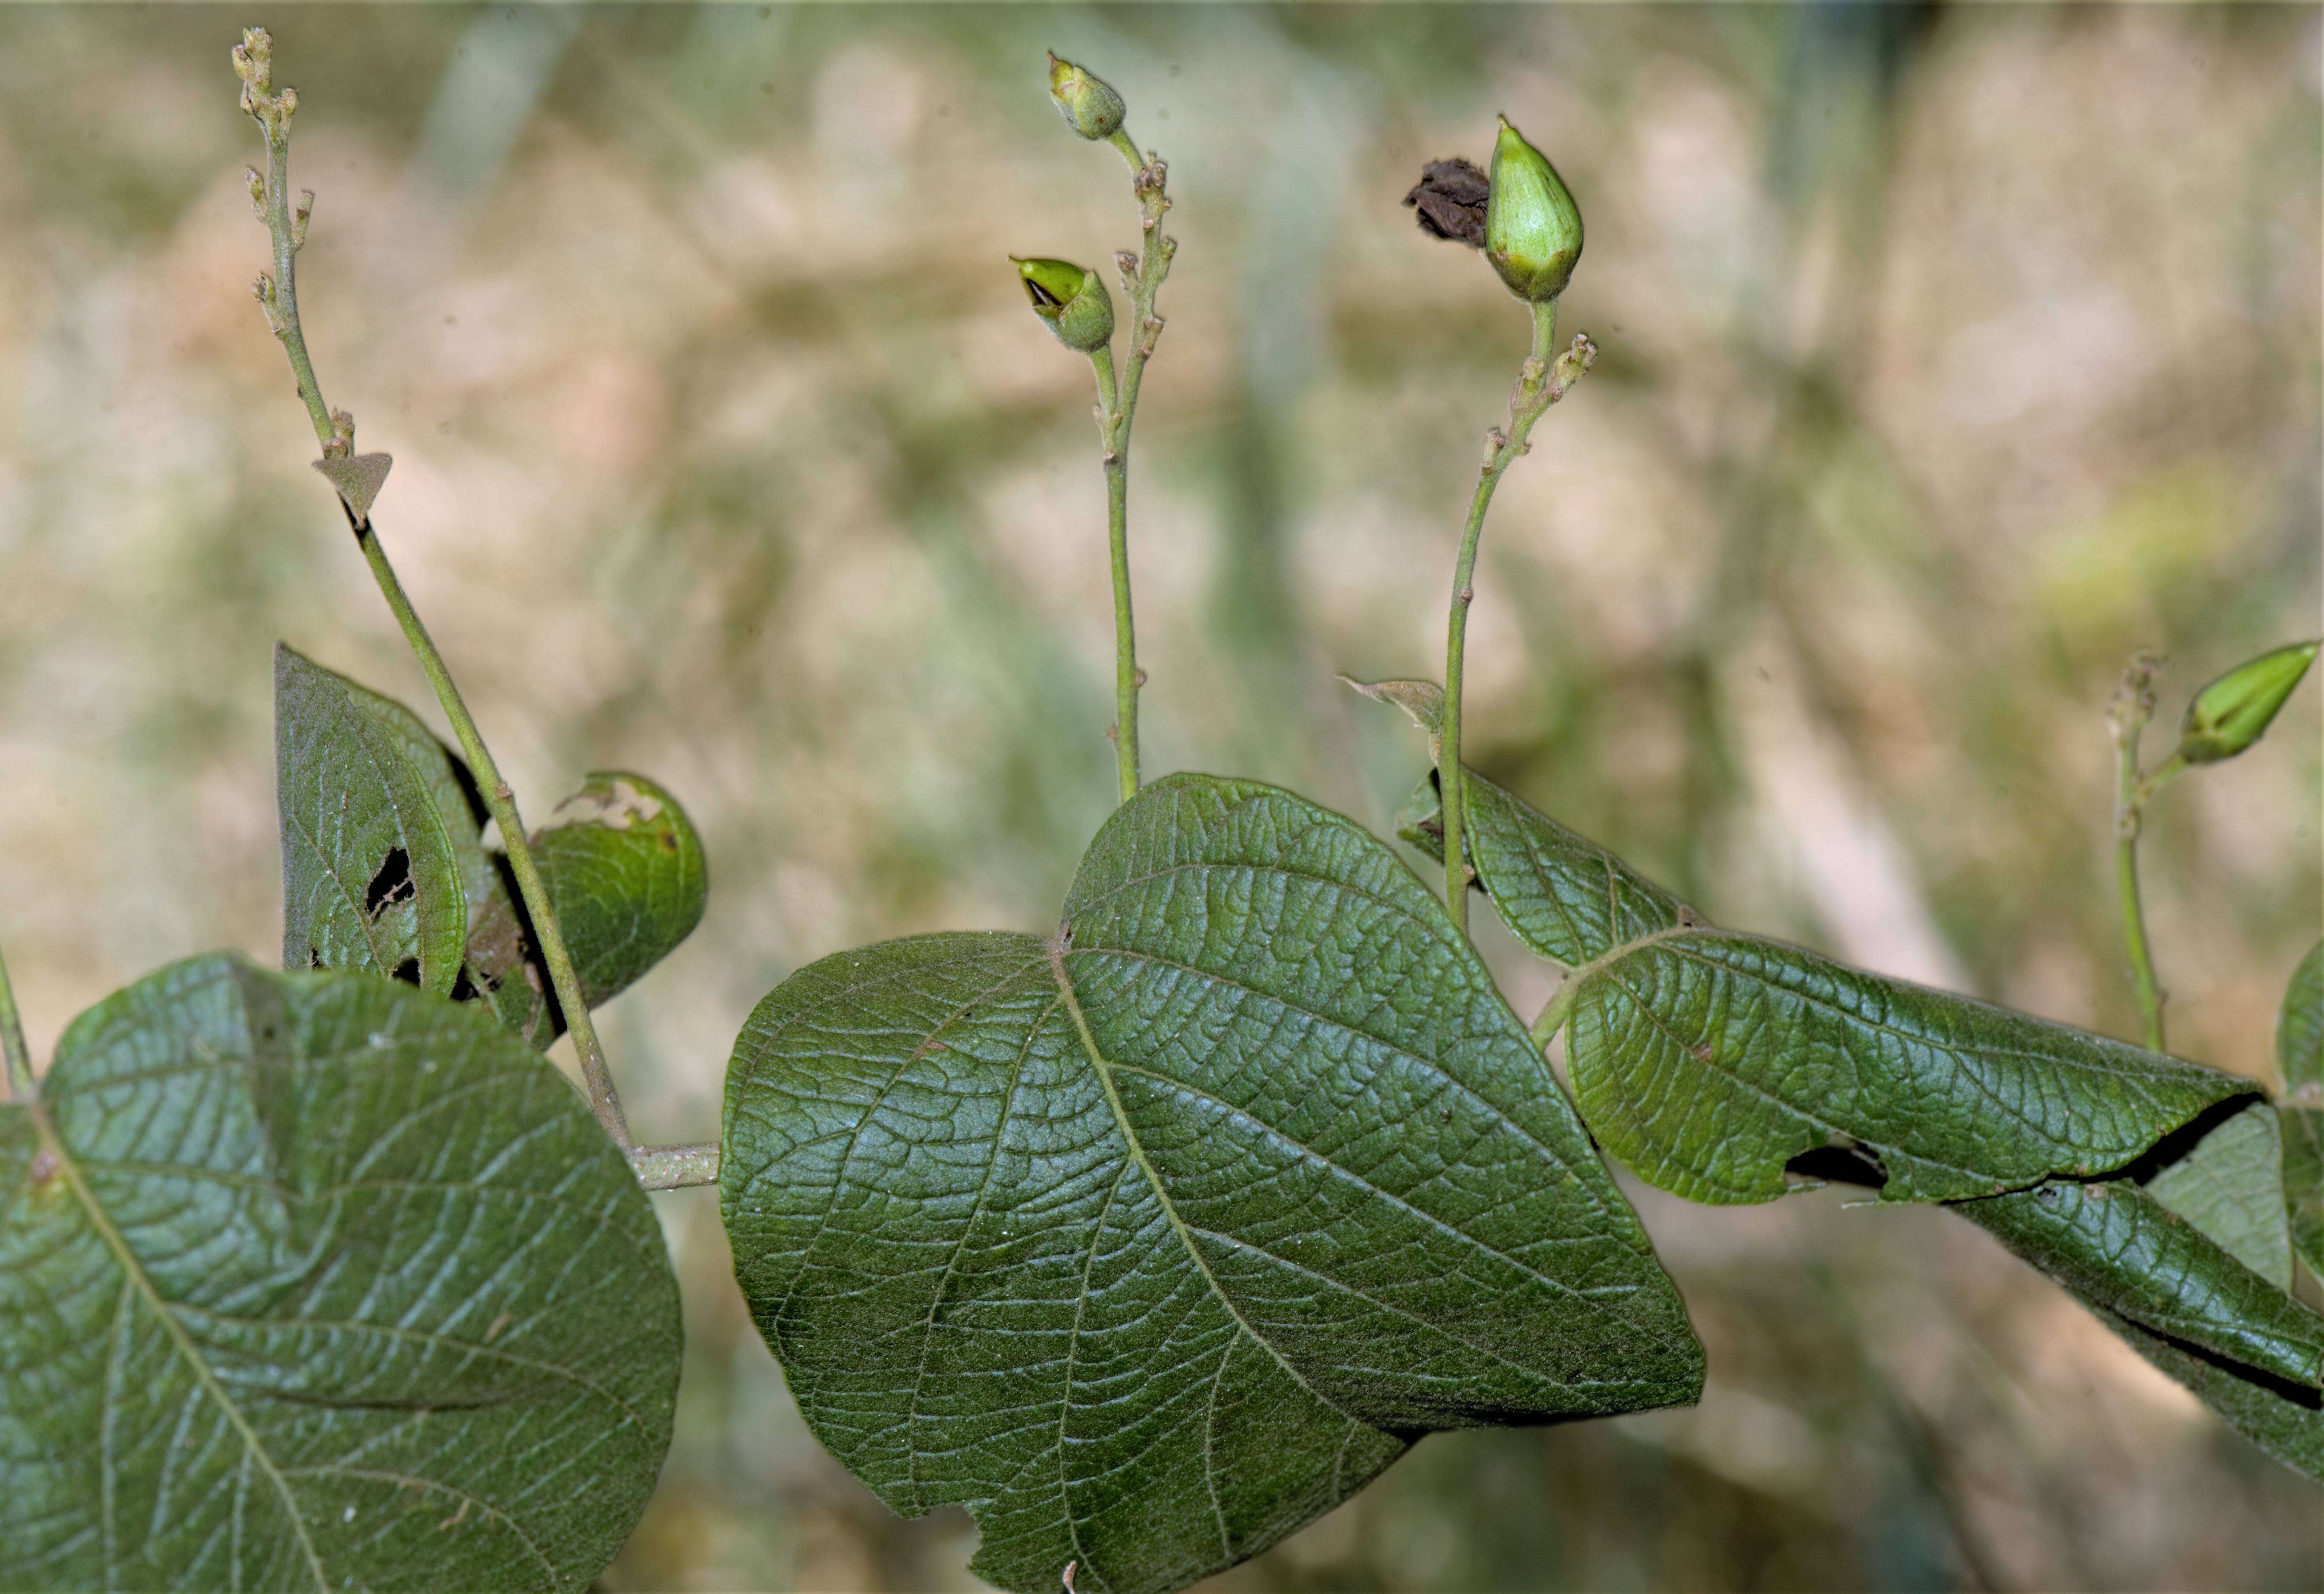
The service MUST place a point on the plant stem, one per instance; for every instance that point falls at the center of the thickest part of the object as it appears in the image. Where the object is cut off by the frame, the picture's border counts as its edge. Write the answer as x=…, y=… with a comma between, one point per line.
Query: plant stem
x=1141, y=280
x=20, y=1085
x=604, y=1101
x=1541, y=382
x=658, y=1168
x=1125, y=625
x=2133, y=706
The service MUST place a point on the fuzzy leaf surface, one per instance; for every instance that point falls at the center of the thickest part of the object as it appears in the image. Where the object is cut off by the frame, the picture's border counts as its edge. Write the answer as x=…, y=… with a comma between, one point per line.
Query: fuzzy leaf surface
x=315, y=1282
x=2113, y=1245
x=1153, y=1241
x=385, y=869
x=2181, y=1302
x=625, y=869
x=1707, y=1060
x=2231, y=1187
x=373, y=874
x=1561, y=894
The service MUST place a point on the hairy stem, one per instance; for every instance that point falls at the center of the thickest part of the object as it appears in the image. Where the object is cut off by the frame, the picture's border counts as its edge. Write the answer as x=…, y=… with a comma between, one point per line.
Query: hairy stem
x=1541, y=382
x=334, y=432
x=1141, y=279
x=2133, y=706
x=20, y=1085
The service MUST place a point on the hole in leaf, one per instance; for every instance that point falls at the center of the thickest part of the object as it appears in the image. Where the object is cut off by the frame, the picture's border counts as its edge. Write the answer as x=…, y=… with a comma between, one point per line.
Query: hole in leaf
x=392, y=885
x=463, y=988
x=1843, y=1162
x=408, y=971
x=313, y=957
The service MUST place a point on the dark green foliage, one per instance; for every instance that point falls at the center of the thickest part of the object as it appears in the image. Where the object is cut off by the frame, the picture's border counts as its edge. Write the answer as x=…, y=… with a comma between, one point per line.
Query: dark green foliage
x=372, y=825
x=2247, y=1349
x=313, y=1281
x=384, y=868
x=1153, y=1241
x=625, y=869
x=2115, y=1246
x=1708, y=1060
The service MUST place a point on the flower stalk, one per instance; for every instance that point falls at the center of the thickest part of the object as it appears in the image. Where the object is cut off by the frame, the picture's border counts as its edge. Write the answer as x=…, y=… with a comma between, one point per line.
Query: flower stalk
x=1094, y=111
x=658, y=1168
x=1541, y=381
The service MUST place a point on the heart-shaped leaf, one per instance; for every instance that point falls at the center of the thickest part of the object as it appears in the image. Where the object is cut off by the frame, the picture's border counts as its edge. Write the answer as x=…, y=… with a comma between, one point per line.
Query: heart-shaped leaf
x=2248, y=1349
x=1708, y=1060
x=373, y=821
x=1153, y=1241
x=2231, y=1187
x=312, y=1281
x=384, y=869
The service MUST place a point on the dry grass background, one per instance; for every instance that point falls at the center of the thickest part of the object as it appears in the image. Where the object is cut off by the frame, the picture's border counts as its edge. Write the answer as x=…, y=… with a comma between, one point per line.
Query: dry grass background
x=1950, y=354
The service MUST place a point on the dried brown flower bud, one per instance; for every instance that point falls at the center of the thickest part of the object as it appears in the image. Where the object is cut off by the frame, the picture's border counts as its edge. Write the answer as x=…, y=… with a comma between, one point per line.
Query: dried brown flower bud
x=1451, y=200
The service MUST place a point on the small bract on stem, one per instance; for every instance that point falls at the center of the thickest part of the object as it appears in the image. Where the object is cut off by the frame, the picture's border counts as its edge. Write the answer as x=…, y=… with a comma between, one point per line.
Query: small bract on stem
x=1533, y=237
x=658, y=1168
x=1091, y=108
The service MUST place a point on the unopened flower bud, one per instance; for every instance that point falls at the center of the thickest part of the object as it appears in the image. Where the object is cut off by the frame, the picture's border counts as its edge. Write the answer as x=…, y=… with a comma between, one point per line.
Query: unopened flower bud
x=1533, y=229
x=1088, y=103
x=1071, y=300
x=2234, y=711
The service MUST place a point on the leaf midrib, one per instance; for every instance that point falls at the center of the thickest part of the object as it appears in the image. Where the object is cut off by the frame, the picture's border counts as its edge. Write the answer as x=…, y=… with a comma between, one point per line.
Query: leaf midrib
x=135, y=1273
x=1102, y=1066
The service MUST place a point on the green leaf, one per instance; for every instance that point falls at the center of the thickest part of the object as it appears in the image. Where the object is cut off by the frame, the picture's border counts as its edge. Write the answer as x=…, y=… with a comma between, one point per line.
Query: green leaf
x=1563, y=894
x=625, y=869
x=1707, y=1060
x=2115, y=1246
x=2285, y=1421
x=2231, y=1187
x=1152, y=1241
x=312, y=1281
x=2183, y=1304
x=384, y=869
x=374, y=872
x=2303, y=1182
x=2300, y=1030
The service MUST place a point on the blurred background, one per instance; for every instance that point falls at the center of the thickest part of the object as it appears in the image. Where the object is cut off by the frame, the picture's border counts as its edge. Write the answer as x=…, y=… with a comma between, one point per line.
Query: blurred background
x=1949, y=355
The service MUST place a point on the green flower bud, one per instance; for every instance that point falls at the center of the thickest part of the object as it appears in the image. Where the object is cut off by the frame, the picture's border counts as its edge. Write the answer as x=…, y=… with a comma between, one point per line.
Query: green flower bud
x=1088, y=104
x=2233, y=712
x=1071, y=300
x=1533, y=229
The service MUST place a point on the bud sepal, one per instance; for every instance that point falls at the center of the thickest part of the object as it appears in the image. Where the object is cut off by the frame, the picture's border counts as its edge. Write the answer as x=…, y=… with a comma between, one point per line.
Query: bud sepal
x=1072, y=300
x=2231, y=714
